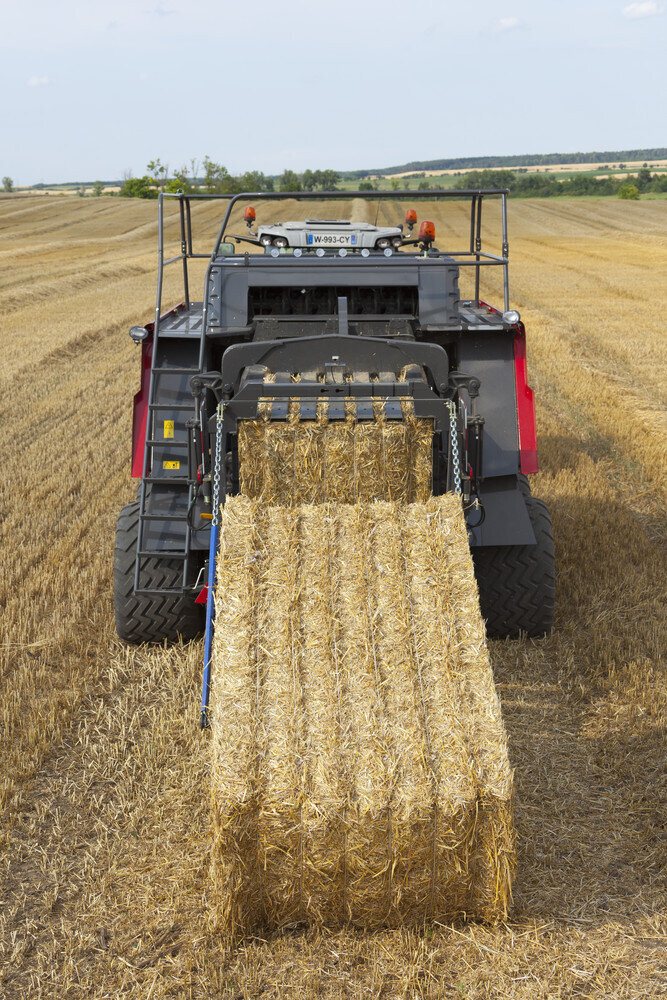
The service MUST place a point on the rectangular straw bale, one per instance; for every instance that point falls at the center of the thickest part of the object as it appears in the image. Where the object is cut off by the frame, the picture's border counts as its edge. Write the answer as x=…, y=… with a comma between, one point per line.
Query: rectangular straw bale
x=345, y=461
x=493, y=857
x=360, y=771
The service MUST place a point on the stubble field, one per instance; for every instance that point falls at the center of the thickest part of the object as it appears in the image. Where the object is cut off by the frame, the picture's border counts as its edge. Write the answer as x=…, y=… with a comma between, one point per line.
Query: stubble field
x=104, y=837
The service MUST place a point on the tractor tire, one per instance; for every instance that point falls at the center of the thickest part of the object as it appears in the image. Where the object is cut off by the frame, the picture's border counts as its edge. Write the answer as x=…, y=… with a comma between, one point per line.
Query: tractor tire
x=517, y=583
x=149, y=619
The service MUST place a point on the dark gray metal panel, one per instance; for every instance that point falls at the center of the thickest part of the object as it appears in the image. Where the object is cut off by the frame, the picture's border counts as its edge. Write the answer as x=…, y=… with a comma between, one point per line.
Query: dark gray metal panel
x=356, y=353
x=506, y=520
x=490, y=358
x=437, y=280
x=227, y=297
x=326, y=274
x=438, y=296
x=185, y=322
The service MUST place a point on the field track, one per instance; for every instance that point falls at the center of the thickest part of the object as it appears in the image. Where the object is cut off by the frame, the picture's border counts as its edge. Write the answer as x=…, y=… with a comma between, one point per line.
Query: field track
x=104, y=838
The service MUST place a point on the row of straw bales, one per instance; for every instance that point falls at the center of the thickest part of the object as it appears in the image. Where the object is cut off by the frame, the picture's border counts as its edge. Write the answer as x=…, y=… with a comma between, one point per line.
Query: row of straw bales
x=360, y=771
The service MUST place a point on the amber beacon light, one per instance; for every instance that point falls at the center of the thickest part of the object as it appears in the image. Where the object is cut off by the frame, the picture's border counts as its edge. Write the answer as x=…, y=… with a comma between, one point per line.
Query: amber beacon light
x=427, y=232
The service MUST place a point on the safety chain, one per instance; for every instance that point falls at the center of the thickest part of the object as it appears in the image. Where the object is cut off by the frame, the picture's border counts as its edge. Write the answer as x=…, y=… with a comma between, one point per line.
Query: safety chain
x=217, y=465
x=454, y=442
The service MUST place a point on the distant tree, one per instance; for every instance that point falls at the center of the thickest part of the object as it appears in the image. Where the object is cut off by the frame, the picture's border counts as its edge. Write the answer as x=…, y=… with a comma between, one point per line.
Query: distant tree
x=308, y=180
x=423, y=186
x=217, y=179
x=491, y=179
x=395, y=183
x=81, y=190
x=159, y=172
x=643, y=179
x=254, y=180
x=289, y=181
x=138, y=187
x=194, y=167
x=629, y=192
x=367, y=186
x=329, y=180
x=180, y=183
x=98, y=188
x=7, y=184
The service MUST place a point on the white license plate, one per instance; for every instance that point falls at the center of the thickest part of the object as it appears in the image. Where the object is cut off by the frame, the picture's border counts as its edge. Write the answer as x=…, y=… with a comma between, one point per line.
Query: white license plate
x=331, y=239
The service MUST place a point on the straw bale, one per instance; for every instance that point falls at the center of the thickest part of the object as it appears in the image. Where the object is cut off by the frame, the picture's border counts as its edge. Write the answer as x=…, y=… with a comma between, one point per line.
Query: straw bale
x=360, y=771
x=344, y=461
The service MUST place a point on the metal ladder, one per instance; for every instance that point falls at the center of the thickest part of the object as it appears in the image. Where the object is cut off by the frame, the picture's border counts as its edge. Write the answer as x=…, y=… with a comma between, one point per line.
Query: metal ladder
x=151, y=477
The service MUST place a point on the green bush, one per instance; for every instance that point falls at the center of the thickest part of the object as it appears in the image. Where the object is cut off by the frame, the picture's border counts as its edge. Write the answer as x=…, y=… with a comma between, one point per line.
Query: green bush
x=138, y=187
x=629, y=192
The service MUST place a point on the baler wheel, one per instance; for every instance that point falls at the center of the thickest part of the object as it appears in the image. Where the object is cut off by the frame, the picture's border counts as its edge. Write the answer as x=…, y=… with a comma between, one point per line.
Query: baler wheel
x=517, y=583
x=149, y=619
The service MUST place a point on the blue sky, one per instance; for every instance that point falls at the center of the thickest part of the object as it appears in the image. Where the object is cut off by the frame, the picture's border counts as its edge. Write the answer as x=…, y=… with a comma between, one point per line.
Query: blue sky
x=94, y=89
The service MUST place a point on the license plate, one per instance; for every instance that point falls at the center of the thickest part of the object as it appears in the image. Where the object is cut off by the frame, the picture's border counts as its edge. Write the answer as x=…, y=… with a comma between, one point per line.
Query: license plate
x=331, y=239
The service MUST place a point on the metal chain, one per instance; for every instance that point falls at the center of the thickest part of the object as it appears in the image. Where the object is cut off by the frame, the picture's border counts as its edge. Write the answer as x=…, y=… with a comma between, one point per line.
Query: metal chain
x=454, y=441
x=217, y=464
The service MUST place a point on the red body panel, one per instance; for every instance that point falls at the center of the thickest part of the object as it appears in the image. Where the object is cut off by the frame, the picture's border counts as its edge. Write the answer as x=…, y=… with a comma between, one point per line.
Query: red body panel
x=525, y=405
x=140, y=411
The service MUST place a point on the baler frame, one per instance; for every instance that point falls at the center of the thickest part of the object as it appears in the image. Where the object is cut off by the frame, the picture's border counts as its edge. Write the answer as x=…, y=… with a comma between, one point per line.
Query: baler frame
x=473, y=256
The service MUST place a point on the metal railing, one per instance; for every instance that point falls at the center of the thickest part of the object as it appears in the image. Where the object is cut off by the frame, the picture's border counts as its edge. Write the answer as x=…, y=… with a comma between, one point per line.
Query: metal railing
x=472, y=256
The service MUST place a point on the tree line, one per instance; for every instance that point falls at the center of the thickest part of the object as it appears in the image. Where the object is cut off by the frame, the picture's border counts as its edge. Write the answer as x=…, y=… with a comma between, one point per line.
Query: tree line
x=520, y=160
x=537, y=185
x=214, y=178
x=210, y=177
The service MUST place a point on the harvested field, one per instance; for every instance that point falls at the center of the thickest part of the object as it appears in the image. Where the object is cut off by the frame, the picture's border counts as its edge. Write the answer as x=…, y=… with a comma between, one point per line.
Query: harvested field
x=106, y=833
x=360, y=770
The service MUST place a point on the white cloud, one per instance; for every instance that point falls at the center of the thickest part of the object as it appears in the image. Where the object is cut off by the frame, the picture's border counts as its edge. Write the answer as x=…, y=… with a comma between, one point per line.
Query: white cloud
x=38, y=81
x=507, y=24
x=645, y=9
x=161, y=11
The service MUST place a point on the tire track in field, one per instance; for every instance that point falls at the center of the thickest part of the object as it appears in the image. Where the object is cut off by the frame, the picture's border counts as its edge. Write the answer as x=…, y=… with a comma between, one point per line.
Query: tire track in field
x=72, y=280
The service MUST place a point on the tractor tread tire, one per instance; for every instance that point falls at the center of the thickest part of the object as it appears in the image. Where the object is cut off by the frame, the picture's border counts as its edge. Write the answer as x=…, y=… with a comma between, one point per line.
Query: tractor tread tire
x=517, y=583
x=149, y=619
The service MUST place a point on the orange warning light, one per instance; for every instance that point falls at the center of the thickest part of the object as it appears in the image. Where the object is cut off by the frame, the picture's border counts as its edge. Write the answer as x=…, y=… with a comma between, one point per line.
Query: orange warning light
x=427, y=232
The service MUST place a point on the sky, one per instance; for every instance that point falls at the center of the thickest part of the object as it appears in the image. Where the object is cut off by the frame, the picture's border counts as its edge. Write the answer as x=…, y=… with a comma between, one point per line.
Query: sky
x=95, y=89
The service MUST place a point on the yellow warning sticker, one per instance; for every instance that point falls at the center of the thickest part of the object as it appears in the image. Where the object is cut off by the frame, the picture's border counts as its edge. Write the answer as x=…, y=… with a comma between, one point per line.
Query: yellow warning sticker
x=171, y=465
x=169, y=428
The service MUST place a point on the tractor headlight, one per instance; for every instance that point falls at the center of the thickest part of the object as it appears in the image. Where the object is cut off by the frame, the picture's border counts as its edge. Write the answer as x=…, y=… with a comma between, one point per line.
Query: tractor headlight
x=265, y=241
x=138, y=333
x=512, y=317
x=382, y=243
